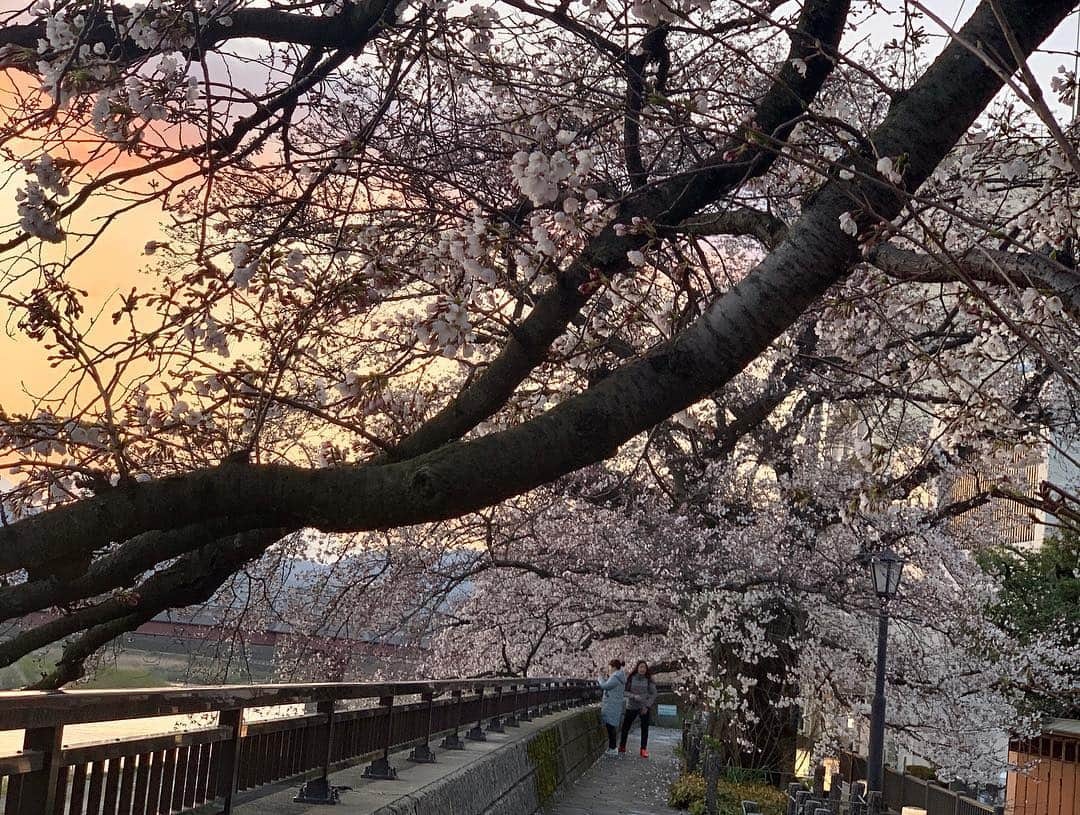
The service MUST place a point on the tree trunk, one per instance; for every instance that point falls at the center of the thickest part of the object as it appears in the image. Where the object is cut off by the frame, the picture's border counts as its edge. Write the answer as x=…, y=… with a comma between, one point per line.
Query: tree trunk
x=765, y=739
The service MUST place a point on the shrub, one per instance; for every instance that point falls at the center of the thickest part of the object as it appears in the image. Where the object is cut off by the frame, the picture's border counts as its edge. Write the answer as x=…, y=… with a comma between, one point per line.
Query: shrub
x=734, y=786
x=685, y=790
x=921, y=772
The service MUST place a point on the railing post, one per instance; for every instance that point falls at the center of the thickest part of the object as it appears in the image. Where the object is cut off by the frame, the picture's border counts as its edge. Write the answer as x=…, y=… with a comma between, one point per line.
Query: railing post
x=229, y=766
x=453, y=741
x=381, y=769
x=496, y=723
x=511, y=720
x=38, y=791
x=423, y=754
x=320, y=790
x=526, y=712
x=477, y=733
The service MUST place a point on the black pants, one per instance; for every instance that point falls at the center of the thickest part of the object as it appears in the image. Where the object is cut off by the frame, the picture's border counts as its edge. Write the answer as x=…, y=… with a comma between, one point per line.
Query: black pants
x=611, y=731
x=628, y=720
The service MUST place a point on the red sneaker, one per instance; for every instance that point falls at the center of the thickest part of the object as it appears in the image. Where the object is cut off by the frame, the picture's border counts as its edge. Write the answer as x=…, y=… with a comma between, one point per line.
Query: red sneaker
x=622, y=748
x=644, y=753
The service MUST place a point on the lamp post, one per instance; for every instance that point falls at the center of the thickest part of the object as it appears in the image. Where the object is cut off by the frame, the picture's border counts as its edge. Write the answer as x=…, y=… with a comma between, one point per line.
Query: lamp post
x=885, y=569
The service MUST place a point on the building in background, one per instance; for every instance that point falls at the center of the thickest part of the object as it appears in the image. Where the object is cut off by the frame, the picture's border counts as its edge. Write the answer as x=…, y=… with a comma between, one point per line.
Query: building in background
x=1047, y=779
x=1055, y=462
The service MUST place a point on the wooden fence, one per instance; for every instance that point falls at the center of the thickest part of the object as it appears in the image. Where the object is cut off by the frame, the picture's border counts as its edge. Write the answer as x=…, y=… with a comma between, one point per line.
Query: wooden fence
x=192, y=769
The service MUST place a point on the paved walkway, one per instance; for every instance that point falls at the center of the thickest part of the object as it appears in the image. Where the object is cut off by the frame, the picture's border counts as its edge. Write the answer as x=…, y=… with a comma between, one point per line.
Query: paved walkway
x=626, y=785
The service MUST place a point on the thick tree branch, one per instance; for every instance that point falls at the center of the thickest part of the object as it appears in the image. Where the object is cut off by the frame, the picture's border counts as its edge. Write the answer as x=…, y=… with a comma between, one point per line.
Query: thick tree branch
x=764, y=226
x=991, y=266
x=464, y=476
x=349, y=30
x=653, y=49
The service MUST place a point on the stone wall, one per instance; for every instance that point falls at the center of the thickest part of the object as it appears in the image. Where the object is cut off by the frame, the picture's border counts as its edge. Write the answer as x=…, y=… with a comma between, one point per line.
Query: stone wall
x=518, y=778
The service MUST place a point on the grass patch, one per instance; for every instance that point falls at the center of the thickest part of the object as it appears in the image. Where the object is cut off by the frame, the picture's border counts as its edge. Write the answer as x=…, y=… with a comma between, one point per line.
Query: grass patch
x=115, y=677
x=921, y=771
x=26, y=670
x=30, y=669
x=688, y=792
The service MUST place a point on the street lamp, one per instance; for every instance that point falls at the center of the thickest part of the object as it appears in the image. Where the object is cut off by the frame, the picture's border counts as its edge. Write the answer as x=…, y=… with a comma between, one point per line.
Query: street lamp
x=885, y=569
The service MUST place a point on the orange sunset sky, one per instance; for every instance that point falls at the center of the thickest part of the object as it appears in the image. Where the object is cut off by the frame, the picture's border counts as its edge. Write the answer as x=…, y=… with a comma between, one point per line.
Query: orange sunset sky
x=112, y=266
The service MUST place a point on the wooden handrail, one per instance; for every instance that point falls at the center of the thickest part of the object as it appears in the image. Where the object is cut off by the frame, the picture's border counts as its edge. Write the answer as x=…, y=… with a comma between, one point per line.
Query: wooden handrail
x=27, y=709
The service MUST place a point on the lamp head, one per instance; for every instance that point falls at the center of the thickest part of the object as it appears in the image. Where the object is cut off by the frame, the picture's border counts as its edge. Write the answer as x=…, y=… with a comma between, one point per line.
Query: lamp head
x=886, y=567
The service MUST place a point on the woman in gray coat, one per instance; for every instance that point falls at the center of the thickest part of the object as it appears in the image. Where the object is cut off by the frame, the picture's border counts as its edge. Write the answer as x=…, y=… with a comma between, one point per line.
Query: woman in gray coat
x=611, y=707
x=640, y=700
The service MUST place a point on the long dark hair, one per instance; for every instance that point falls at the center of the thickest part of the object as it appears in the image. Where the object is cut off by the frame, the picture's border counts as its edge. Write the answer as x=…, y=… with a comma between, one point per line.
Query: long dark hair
x=616, y=664
x=633, y=673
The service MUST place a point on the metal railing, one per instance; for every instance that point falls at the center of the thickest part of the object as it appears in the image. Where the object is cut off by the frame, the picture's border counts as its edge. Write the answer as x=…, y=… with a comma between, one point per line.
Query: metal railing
x=901, y=790
x=195, y=767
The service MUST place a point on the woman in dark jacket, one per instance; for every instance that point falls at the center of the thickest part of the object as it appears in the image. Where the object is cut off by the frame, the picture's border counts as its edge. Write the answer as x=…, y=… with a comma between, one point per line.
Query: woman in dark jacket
x=640, y=699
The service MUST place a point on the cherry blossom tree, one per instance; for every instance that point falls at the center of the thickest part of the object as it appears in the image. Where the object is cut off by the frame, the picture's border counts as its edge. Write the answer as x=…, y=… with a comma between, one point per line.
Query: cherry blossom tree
x=563, y=330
